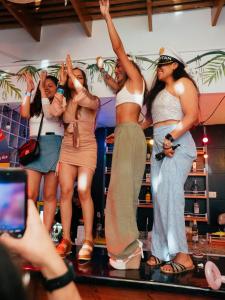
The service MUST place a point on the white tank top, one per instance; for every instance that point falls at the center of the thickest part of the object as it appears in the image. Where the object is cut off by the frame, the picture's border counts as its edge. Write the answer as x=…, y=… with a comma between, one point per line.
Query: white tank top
x=124, y=96
x=166, y=107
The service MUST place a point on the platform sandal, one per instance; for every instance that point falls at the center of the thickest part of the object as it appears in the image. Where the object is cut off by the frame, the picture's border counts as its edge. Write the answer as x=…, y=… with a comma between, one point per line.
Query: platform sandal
x=176, y=268
x=131, y=262
x=64, y=247
x=86, y=252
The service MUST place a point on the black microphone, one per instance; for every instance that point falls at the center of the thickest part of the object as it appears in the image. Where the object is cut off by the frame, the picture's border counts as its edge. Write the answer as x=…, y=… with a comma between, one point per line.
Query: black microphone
x=161, y=155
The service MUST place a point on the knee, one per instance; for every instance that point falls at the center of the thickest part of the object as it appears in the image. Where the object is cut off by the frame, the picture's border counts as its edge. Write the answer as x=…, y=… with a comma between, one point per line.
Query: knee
x=32, y=195
x=49, y=196
x=84, y=194
x=66, y=192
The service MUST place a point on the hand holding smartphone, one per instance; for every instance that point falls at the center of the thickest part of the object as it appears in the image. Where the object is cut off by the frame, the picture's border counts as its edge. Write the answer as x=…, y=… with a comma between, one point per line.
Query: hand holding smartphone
x=13, y=201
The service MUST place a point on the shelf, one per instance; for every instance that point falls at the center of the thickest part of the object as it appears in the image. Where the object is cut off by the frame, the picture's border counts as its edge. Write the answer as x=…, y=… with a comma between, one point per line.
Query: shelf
x=195, y=196
x=149, y=205
x=196, y=218
x=197, y=174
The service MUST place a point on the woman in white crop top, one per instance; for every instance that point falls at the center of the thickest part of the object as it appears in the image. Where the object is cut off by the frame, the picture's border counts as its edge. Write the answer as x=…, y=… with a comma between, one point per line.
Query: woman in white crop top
x=129, y=155
x=172, y=107
x=50, y=142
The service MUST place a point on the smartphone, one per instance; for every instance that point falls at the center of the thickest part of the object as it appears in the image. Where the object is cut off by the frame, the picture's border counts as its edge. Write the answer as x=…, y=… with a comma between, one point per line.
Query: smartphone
x=13, y=201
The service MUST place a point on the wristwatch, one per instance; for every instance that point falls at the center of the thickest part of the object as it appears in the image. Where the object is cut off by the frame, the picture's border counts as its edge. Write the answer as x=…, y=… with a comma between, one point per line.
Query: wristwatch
x=169, y=137
x=61, y=281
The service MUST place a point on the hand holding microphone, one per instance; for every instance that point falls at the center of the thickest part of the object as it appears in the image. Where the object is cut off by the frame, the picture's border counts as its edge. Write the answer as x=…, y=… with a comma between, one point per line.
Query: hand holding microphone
x=161, y=155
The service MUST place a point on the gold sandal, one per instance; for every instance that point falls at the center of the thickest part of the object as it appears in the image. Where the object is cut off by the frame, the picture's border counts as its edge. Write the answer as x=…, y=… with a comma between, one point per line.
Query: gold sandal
x=86, y=251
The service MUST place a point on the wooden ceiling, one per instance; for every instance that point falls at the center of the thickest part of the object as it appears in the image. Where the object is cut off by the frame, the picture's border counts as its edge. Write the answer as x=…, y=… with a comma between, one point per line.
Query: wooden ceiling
x=32, y=17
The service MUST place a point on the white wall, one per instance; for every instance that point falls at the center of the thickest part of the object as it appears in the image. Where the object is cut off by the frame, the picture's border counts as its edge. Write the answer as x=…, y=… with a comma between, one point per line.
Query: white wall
x=190, y=32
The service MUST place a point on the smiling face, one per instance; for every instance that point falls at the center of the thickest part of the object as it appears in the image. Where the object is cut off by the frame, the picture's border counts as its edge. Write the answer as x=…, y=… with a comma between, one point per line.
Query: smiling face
x=50, y=88
x=79, y=76
x=166, y=71
x=120, y=73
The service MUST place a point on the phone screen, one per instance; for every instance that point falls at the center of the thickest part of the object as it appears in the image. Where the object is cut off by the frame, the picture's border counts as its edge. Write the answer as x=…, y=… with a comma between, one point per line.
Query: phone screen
x=13, y=202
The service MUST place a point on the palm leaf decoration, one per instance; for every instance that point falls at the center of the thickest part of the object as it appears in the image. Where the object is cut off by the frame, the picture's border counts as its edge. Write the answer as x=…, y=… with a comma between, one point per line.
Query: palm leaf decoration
x=30, y=69
x=54, y=70
x=8, y=86
x=141, y=59
x=214, y=69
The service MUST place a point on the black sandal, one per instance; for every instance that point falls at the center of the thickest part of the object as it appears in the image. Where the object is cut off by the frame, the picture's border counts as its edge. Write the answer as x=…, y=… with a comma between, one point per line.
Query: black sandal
x=157, y=261
x=176, y=268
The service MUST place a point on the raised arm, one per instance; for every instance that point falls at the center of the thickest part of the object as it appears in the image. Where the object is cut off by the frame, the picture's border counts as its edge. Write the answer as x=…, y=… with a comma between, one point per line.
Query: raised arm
x=25, y=106
x=117, y=45
x=85, y=99
x=57, y=107
x=109, y=80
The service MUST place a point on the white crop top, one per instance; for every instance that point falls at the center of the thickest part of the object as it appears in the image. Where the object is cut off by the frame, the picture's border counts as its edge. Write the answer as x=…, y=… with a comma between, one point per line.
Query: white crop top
x=124, y=96
x=166, y=107
x=49, y=125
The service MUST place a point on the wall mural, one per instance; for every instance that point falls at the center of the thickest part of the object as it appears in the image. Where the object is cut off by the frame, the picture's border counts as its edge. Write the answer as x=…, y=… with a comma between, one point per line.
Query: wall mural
x=206, y=69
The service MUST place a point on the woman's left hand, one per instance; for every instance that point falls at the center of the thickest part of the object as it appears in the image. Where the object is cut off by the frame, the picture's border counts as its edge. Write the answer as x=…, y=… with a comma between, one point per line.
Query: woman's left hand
x=104, y=8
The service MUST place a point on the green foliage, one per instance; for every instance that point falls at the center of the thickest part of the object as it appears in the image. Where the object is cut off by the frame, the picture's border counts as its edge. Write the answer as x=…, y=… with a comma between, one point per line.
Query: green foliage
x=28, y=69
x=8, y=86
x=214, y=69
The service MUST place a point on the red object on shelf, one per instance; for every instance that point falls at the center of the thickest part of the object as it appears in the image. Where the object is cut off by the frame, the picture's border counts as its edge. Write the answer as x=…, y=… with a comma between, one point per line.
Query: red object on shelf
x=2, y=136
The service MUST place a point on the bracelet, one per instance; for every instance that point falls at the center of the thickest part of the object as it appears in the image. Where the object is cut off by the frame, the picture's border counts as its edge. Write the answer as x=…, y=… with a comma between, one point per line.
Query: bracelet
x=60, y=91
x=61, y=281
x=61, y=86
x=28, y=94
x=169, y=137
x=166, y=148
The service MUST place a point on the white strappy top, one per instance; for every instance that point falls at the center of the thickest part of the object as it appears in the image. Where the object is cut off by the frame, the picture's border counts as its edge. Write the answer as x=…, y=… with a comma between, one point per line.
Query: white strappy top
x=166, y=107
x=124, y=96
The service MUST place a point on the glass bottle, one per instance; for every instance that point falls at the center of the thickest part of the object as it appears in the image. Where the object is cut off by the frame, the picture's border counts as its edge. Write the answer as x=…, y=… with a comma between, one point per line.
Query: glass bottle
x=148, y=195
x=194, y=232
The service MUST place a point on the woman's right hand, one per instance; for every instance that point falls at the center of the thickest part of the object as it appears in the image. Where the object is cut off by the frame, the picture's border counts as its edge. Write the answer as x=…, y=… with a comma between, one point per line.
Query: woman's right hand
x=104, y=8
x=110, y=138
x=62, y=75
x=43, y=76
x=29, y=80
x=99, y=62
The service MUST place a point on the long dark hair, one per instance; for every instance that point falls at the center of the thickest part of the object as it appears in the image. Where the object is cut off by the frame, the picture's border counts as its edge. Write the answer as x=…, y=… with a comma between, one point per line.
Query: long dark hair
x=67, y=93
x=159, y=85
x=35, y=106
x=139, y=71
x=11, y=287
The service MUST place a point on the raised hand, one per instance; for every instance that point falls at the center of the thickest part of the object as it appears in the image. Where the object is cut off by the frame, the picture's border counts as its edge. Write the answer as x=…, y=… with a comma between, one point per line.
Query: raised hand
x=104, y=8
x=43, y=76
x=29, y=80
x=62, y=75
x=69, y=66
x=99, y=62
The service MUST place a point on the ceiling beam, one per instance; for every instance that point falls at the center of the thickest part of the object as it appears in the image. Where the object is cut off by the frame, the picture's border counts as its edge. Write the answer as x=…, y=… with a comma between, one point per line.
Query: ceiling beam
x=216, y=10
x=149, y=11
x=87, y=25
x=24, y=18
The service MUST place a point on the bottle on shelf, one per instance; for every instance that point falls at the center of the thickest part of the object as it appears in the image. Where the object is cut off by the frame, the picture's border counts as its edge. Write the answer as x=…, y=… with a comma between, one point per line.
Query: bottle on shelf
x=195, y=187
x=148, y=195
x=194, y=166
x=98, y=226
x=148, y=156
x=147, y=174
x=196, y=207
x=194, y=232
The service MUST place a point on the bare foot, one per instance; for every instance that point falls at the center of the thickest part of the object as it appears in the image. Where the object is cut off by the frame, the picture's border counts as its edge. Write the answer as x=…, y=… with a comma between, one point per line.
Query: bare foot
x=153, y=261
x=180, y=258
